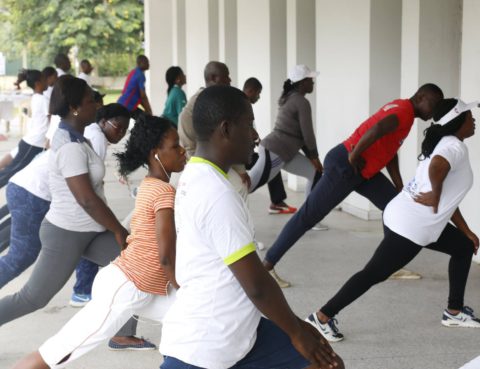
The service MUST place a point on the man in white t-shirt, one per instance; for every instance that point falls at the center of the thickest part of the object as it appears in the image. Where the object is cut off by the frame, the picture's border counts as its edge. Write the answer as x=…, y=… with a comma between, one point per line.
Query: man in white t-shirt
x=216, y=321
x=86, y=69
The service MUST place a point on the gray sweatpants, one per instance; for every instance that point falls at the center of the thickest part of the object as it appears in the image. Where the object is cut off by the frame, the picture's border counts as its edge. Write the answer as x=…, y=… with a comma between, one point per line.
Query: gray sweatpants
x=61, y=251
x=269, y=165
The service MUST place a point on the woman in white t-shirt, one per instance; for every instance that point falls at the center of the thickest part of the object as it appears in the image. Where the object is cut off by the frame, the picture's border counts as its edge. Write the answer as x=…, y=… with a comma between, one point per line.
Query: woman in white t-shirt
x=419, y=216
x=34, y=141
x=79, y=223
x=28, y=195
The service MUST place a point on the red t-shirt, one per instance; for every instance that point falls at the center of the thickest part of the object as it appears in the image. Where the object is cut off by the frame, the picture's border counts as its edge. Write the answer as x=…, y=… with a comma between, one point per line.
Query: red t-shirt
x=383, y=150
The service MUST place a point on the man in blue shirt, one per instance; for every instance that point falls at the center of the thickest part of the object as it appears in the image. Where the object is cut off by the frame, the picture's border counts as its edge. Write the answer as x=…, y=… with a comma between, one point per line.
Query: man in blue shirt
x=133, y=93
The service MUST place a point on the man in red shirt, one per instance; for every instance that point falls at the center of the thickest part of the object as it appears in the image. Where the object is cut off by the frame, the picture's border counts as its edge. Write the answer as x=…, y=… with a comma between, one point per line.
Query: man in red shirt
x=355, y=165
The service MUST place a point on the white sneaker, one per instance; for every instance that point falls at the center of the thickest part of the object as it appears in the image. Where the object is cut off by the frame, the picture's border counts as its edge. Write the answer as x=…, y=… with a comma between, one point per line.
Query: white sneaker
x=320, y=227
x=464, y=319
x=280, y=281
x=260, y=245
x=328, y=330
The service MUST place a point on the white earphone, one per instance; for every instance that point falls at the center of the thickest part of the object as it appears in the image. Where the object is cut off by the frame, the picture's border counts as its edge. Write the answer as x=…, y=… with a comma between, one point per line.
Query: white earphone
x=158, y=159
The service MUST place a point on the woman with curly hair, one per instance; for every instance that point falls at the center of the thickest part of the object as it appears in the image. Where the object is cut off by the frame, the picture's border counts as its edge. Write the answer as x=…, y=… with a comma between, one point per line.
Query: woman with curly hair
x=141, y=281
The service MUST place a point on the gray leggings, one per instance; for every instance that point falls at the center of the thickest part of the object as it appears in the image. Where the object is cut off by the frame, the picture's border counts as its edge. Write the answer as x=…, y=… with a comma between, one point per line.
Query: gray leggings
x=61, y=251
x=269, y=165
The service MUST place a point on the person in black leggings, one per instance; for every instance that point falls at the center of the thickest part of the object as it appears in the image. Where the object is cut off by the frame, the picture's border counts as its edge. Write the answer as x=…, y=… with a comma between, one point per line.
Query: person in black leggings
x=418, y=217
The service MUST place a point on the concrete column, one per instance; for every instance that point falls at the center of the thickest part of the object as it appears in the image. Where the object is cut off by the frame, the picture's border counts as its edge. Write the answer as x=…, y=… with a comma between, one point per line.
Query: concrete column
x=159, y=48
x=227, y=11
x=357, y=43
x=431, y=39
x=301, y=50
x=179, y=35
x=470, y=91
x=201, y=21
x=261, y=53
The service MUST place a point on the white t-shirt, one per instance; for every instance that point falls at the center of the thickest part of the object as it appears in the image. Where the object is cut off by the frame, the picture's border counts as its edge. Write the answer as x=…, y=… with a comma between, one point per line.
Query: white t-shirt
x=85, y=77
x=417, y=222
x=53, y=126
x=48, y=93
x=212, y=323
x=97, y=138
x=70, y=156
x=34, y=177
x=37, y=125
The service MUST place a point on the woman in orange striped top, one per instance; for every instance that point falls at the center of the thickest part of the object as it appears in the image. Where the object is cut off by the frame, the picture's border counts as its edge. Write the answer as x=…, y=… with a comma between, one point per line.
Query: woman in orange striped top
x=141, y=281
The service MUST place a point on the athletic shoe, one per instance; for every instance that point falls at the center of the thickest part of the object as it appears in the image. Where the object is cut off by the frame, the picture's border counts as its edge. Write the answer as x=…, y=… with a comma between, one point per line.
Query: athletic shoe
x=320, y=227
x=328, y=330
x=143, y=346
x=281, y=209
x=465, y=319
x=280, y=281
x=79, y=300
x=405, y=274
x=260, y=245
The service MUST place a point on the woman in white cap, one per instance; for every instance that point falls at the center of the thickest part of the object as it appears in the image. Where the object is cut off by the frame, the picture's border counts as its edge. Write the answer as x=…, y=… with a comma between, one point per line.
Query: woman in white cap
x=293, y=132
x=419, y=216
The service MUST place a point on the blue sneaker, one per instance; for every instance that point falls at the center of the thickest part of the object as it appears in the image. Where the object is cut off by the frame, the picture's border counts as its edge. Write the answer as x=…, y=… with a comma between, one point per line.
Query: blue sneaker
x=79, y=300
x=144, y=345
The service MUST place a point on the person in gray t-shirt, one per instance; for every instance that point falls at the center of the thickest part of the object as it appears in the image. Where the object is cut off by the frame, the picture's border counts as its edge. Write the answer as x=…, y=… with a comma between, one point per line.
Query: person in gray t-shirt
x=293, y=132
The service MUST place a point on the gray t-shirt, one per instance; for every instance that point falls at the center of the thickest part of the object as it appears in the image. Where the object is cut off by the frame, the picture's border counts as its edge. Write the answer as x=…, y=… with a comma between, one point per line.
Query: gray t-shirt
x=293, y=129
x=71, y=155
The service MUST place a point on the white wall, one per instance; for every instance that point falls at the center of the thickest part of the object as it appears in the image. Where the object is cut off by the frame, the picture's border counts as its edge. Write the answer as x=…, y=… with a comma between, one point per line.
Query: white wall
x=470, y=91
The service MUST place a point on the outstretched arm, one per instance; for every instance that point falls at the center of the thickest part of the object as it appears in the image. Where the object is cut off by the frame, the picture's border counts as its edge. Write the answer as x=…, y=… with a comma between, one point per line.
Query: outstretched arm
x=383, y=127
x=265, y=294
x=394, y=172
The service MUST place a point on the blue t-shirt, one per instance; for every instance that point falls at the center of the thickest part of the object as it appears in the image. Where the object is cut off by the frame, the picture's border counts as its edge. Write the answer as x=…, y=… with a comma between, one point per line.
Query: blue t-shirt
x=176, y=100
x=134, y=84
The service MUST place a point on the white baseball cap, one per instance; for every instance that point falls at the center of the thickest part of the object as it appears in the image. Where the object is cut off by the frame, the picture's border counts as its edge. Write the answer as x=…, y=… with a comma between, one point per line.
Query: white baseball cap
x=301, y=71
x=458, y=109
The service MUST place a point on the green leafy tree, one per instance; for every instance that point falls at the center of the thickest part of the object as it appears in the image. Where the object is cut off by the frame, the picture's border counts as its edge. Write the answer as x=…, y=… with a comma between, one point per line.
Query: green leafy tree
x=96, y=27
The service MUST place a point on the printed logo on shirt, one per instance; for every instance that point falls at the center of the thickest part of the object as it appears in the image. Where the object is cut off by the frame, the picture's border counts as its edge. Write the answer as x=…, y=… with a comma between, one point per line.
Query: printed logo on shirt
x=389, y=106
x=412, y=188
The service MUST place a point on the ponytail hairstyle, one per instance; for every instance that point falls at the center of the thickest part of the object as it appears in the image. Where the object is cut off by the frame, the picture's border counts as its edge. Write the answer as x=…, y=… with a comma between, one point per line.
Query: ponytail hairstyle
x=288, y=87
x=436, y=132
x=32, y=76
x=111, y=111
x=147, y=134
x=171, y=76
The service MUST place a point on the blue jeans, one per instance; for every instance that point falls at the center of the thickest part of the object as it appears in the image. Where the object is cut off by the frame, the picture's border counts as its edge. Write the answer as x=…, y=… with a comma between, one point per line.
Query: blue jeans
x=85, y=273
x=27, y=212
x=337, y=182
x=5, y=226
x=272, y=350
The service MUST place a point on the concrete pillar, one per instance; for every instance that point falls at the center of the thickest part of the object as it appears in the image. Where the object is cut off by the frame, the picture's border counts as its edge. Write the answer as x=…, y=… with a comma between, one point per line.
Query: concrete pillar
x=357, y=47
x=261, y=53
x=227, y=11
x=431, y=39
x=301, y=50
x=470, y=91
x=159, y=48
x=201, y=22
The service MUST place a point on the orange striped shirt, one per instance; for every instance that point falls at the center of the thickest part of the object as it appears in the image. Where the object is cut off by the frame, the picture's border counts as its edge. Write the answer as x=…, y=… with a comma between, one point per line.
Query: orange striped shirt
x=140, y=261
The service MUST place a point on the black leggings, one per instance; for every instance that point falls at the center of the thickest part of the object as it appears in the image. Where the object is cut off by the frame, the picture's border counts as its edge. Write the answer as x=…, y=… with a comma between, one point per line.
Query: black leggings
x=393, y=253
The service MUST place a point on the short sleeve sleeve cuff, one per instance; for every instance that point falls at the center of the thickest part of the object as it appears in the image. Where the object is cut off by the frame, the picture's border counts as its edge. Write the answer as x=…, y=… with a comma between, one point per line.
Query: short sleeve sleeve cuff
x=239, y=254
